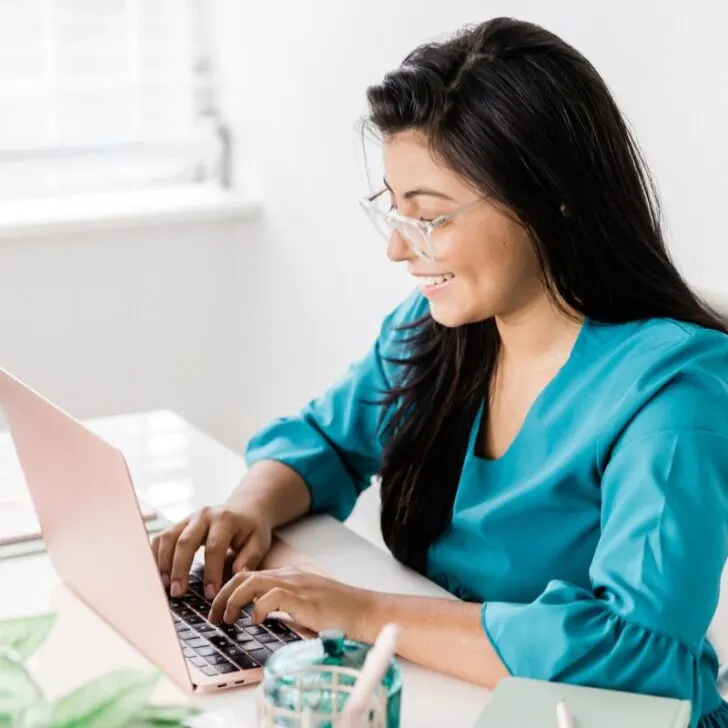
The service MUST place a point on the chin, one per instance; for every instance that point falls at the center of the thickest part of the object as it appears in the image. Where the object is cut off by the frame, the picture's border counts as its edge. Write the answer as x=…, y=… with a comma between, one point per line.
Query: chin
x=452, y=315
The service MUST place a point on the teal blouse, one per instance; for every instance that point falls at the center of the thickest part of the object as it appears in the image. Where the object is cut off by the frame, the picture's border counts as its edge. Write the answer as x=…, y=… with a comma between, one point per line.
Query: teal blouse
x=597, y=541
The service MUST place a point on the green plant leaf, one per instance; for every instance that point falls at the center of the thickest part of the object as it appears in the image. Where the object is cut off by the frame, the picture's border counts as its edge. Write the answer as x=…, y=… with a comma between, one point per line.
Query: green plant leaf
x=18, y=690
x=166, y=715
x=25, y=635
x=111, y=701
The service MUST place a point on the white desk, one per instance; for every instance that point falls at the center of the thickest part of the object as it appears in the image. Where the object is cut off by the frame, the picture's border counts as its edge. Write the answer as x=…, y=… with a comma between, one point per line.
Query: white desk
x=177, y=469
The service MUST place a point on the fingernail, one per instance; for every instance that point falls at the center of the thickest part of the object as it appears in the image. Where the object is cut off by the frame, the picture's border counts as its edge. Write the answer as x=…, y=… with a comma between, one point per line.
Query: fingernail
x=210, y=591
x=176, y=589
x=165, y=580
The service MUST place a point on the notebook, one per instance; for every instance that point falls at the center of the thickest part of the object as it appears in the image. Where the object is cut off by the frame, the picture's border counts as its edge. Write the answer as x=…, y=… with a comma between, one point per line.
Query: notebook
x=522, y=703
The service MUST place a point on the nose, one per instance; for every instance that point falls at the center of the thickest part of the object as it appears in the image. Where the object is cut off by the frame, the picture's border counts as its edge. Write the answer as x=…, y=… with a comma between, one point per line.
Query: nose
x=397, y=248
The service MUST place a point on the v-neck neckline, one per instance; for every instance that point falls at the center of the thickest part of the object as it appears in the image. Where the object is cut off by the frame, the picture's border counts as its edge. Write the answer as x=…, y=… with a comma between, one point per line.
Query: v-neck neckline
x=476, y=433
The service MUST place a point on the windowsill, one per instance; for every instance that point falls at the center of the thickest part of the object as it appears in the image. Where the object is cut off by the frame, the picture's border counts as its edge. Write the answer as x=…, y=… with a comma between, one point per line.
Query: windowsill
x=112, y=211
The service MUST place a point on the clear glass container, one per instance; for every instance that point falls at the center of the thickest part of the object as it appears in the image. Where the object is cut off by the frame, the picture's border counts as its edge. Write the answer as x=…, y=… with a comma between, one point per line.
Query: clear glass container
x=306, y=685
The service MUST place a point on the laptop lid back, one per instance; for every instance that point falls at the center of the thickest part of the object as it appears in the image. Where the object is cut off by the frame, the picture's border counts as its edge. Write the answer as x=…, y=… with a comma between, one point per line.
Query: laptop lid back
x=91, y=523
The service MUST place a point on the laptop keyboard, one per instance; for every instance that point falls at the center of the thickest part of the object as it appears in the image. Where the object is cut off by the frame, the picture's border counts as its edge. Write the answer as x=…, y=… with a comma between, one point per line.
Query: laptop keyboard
x=224, y=648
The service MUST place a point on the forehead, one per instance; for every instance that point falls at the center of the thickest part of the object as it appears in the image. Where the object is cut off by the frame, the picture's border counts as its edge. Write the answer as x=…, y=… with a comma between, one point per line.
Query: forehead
x=408, y=163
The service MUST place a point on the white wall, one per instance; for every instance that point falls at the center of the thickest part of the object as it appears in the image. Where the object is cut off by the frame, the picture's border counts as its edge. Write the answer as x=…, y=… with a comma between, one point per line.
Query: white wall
x=231, y=325
x=118, y=322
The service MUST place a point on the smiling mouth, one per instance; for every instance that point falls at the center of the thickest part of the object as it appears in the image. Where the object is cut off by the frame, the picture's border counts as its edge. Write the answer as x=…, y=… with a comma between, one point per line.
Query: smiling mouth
x=434, y=281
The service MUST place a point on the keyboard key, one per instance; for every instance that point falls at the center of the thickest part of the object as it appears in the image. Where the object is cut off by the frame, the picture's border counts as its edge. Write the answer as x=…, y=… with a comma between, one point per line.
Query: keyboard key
x=232, y=652
x=230, y=630
x=198, y=661
x=261, y=656
x=255, y=629
x=197, y=642
x=243, y=636
x=209, y=670
x=219, y=640
x=215, y=659
x=200, y=606
x=205, y=651
x=276, y=627
x=197, y=589
x=195, y=619
x=273, y=646
x=245, y=662
x=180, y=626
x=227, y=667
x=265, y=638
x=175, y=604
x=188, y=652
x=244, y=621
x=186, y=634
x=206, y=630
x=290, y=637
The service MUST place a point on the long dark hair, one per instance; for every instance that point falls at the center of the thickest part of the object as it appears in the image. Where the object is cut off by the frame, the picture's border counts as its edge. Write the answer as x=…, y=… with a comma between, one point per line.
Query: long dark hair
x=527, y=120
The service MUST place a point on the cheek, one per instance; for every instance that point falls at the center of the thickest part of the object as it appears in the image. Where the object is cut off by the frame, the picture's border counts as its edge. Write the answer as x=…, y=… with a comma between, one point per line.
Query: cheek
x=497, y=260
x=494, y=273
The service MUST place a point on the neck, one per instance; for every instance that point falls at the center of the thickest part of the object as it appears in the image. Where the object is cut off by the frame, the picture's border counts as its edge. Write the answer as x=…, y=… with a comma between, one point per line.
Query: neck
x=537, y=331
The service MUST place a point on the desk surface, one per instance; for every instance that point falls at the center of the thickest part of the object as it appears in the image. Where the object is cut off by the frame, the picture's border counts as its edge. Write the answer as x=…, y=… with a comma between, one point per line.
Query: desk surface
x=177, y=469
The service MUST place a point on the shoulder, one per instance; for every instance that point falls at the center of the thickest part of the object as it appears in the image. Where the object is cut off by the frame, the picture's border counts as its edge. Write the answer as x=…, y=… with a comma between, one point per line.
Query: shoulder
x=661, y=375
x=651, y=353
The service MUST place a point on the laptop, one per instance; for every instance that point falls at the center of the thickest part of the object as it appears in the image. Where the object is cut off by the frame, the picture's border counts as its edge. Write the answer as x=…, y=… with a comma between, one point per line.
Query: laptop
x=96, y=538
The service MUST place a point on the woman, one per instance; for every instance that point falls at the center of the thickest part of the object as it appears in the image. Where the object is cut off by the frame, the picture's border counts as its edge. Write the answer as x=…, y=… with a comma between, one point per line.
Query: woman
x=548, y=413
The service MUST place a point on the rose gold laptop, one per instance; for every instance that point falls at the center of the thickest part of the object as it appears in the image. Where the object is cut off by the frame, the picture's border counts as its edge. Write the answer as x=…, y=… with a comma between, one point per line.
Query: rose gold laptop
x=93, y=528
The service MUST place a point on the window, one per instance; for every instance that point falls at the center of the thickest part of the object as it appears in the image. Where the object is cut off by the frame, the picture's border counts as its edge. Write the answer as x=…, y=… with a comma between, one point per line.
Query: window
x=101, y=95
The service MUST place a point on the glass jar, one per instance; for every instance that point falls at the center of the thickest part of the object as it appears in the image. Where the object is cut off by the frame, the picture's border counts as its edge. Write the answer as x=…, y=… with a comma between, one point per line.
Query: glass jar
x=306, y=685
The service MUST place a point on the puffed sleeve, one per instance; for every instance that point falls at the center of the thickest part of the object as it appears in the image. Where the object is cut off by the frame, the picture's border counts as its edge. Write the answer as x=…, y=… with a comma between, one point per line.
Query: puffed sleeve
x=655, y=574
x=334, y=443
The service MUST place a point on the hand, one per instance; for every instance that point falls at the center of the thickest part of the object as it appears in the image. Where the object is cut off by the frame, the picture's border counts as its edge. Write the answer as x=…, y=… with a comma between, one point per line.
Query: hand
x=218, y=529
x=311, y=600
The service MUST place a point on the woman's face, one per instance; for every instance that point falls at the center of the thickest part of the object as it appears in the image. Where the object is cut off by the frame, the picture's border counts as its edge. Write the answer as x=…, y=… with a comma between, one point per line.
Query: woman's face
x=484, y=258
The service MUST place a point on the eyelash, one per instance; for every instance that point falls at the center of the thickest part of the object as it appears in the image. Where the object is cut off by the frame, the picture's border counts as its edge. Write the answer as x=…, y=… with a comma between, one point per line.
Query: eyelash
x=392, y=208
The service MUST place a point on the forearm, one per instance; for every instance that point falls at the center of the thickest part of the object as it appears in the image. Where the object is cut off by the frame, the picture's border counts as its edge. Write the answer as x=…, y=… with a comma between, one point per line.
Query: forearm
x=272, y=489
x=440, y=634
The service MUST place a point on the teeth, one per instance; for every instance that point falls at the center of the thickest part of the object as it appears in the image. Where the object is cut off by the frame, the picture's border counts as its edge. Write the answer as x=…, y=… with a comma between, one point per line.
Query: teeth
x=435, y=280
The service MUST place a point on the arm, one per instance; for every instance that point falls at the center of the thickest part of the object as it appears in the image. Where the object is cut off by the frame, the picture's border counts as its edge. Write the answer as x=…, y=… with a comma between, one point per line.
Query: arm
x=333, y=446
x=441, y=634
x=272, y=489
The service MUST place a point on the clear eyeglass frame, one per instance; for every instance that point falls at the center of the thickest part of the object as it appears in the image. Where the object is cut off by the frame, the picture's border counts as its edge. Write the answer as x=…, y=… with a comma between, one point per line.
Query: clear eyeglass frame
x=417, y=233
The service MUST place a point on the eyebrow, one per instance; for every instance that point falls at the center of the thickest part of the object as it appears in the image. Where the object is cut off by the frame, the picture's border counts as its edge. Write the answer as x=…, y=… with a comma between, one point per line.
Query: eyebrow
x=421, y=191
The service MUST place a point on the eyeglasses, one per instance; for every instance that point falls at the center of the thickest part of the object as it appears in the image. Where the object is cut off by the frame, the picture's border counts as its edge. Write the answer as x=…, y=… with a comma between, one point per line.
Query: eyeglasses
x=415, y=232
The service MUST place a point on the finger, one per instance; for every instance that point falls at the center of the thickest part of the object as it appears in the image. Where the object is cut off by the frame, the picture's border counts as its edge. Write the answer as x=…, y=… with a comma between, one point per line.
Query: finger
x=219, y=536
x=154, y=546
x=252, y=589
x=278, y=599
x=191, y=538
x=165, y=552
x=251, y=554
x=220, y=601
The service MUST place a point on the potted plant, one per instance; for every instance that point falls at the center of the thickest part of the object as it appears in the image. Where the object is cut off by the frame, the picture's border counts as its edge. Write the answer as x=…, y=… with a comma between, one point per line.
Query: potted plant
x=117, y=700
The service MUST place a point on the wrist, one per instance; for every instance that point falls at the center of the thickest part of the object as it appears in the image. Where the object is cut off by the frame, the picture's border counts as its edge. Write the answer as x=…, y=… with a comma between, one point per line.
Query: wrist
x=254, y=506
x=375, y=611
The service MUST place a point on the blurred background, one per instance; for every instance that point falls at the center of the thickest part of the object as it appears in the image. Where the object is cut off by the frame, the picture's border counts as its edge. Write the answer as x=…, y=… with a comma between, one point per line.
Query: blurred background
x=179, y=179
